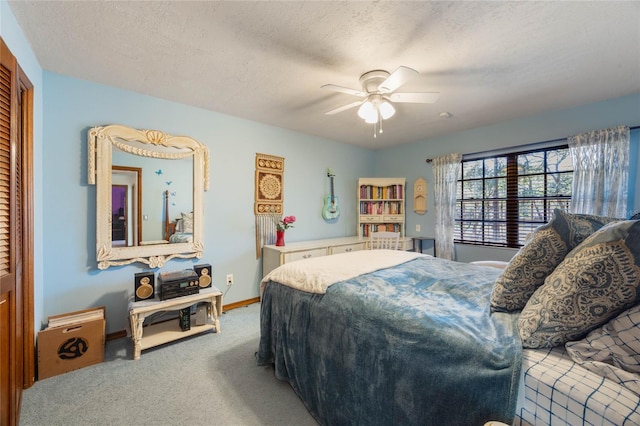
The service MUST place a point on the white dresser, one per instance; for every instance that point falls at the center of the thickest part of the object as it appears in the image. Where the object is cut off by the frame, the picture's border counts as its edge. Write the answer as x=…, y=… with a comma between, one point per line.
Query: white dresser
x=274, y=256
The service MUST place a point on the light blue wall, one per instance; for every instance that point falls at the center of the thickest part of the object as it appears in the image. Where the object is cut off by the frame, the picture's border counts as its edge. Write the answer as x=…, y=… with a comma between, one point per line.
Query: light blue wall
x=64, y=108
x=409, y=160
x=20, y=48
x=72, y=106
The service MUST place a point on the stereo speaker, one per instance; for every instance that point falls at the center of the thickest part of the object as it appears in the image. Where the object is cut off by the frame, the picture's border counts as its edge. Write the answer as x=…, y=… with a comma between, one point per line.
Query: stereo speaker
x=144, y=286
x=204, y=274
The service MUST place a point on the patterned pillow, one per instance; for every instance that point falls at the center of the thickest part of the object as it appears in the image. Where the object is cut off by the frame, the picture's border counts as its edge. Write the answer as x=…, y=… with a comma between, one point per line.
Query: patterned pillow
x=613, y=350
x=543, y=251
x=595, y=282
x=187, y=222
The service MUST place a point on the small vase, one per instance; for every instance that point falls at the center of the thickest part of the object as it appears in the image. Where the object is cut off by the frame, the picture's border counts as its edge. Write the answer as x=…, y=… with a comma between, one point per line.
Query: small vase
x=280, y=238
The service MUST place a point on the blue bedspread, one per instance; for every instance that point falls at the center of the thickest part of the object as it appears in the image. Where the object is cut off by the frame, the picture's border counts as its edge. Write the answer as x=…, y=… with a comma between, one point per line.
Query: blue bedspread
x=414, y=344
x=181, y=237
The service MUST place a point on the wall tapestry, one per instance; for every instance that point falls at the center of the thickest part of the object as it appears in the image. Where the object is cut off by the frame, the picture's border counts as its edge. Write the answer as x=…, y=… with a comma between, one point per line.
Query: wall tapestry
x=269, y=198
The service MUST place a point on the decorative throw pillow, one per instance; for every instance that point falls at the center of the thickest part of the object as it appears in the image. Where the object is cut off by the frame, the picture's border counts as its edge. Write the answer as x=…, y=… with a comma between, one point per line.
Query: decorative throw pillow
x=613, y=350
x=544, y=250
x=187, y=222
x=595, y=282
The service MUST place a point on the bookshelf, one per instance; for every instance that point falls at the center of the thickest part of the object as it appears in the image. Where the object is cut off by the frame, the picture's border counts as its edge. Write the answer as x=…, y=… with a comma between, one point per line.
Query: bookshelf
x=381, y=206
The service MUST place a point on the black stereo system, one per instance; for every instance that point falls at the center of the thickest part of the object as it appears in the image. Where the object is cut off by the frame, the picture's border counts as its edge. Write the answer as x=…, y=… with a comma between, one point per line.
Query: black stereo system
x=172, y=284
x=178, y=283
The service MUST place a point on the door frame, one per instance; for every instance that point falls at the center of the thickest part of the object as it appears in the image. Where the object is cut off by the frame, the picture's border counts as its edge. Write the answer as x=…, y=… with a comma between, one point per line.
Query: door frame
x=26, y=92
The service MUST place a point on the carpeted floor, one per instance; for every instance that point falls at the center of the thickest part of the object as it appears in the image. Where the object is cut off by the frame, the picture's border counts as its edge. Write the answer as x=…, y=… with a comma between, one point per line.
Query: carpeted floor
x=202, y=380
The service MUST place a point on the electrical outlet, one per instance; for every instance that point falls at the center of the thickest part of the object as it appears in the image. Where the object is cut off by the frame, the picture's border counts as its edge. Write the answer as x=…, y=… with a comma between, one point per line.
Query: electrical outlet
x=417, y=228
x=229, y=279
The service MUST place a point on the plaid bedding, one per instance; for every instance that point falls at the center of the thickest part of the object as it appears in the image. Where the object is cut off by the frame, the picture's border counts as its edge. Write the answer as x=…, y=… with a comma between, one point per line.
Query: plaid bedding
x=554, y=390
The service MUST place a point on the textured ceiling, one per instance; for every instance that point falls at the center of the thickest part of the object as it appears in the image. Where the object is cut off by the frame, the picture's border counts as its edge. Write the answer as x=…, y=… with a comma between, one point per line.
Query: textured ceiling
x=265, y=60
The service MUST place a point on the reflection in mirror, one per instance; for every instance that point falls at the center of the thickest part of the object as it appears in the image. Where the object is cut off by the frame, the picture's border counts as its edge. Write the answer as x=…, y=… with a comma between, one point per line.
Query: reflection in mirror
x=119, y=211
x=159, y=178
x=163, y=221
x=126, y=190
x=180, y=229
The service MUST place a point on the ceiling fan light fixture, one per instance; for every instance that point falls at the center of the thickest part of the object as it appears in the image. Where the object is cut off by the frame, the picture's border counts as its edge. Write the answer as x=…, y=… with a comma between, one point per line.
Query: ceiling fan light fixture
x=386, y=110
x=368, y=112
x=379, y=94
x=373, y=110
x=373, y=118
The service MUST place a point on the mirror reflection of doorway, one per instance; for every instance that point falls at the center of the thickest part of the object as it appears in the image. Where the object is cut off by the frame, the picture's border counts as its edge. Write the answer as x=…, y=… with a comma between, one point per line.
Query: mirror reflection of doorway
x=119, y=194
x=126, y=188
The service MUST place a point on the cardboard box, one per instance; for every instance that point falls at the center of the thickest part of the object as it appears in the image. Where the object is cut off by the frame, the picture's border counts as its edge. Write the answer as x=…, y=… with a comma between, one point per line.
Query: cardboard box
x=70, y=347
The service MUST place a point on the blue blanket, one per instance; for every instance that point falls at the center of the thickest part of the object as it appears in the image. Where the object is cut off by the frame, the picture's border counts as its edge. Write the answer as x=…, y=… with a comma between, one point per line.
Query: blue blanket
x=414, y=344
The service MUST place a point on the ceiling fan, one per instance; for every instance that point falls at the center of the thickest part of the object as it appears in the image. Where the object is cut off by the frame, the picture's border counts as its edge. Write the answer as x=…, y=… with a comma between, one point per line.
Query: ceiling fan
x=378, y=91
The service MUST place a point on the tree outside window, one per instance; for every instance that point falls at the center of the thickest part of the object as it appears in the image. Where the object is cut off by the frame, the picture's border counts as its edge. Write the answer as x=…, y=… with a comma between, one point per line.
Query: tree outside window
x=501, y=199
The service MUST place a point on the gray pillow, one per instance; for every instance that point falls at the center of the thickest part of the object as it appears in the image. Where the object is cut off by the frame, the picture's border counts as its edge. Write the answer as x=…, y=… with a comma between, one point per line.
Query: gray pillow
x=595, y=282
x=187, y=222
x=544, y=250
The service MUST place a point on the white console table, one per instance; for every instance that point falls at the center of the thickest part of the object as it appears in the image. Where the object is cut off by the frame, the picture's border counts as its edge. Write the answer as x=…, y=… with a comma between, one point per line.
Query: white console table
x=168, y=331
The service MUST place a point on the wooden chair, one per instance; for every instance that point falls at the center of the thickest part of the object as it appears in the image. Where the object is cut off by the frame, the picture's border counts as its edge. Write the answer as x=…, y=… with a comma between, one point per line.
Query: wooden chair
x=384, y=240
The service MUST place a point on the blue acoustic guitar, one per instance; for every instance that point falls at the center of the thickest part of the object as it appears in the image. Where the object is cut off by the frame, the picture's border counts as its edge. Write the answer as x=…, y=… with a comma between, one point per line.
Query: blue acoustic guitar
x=330, y=209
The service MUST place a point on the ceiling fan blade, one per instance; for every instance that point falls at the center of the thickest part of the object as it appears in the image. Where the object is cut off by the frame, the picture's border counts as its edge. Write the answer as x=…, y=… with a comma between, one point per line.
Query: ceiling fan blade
x=397, y=79
x=343, y=108
x=415, y=98
x=346, y=90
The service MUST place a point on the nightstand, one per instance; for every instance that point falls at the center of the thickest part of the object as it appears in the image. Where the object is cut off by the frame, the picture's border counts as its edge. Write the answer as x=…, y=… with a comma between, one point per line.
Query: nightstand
x=417, y=244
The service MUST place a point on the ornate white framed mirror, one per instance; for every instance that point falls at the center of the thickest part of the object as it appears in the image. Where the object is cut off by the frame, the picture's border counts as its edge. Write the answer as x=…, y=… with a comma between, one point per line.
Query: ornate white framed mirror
x=149, y=195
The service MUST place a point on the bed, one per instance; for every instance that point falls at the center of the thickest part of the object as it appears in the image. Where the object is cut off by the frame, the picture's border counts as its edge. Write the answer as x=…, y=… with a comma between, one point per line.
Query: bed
x=372, y=347
x=388, y=337
x=180, y=237
x=179, y=230
x=555, y=390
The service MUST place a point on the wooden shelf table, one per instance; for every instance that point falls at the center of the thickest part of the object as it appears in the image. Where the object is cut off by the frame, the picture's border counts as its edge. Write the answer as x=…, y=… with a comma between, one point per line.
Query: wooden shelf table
x=156, y=334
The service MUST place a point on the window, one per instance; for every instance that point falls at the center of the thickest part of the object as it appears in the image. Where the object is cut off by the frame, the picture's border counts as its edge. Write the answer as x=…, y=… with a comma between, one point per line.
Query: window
x=502, y=198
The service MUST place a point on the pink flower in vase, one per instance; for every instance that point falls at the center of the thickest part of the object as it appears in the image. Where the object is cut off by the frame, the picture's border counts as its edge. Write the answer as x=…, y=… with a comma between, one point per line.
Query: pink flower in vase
x=285, y=223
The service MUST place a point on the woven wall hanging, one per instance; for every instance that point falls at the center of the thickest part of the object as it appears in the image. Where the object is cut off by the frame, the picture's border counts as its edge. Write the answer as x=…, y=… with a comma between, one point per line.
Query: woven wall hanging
x=269, y=198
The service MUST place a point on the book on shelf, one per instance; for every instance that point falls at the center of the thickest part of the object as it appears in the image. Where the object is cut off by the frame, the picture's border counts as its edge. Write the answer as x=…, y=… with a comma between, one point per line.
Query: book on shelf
x=380, y=207
x=381, y=192
x=368, y=228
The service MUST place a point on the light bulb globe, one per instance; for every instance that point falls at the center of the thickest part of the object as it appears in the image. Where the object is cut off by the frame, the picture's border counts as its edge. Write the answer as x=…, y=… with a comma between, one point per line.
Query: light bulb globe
x=367, y=111
x=372, y=118
x=386, y=110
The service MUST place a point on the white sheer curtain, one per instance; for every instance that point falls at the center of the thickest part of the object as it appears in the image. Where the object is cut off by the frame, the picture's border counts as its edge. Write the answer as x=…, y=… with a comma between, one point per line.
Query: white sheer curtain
x=446, y=170
x=600, y=172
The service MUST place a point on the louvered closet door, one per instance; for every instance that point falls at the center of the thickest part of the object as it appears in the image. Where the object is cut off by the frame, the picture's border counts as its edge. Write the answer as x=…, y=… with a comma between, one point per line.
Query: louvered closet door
x=7, y=272
x=11, y=356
